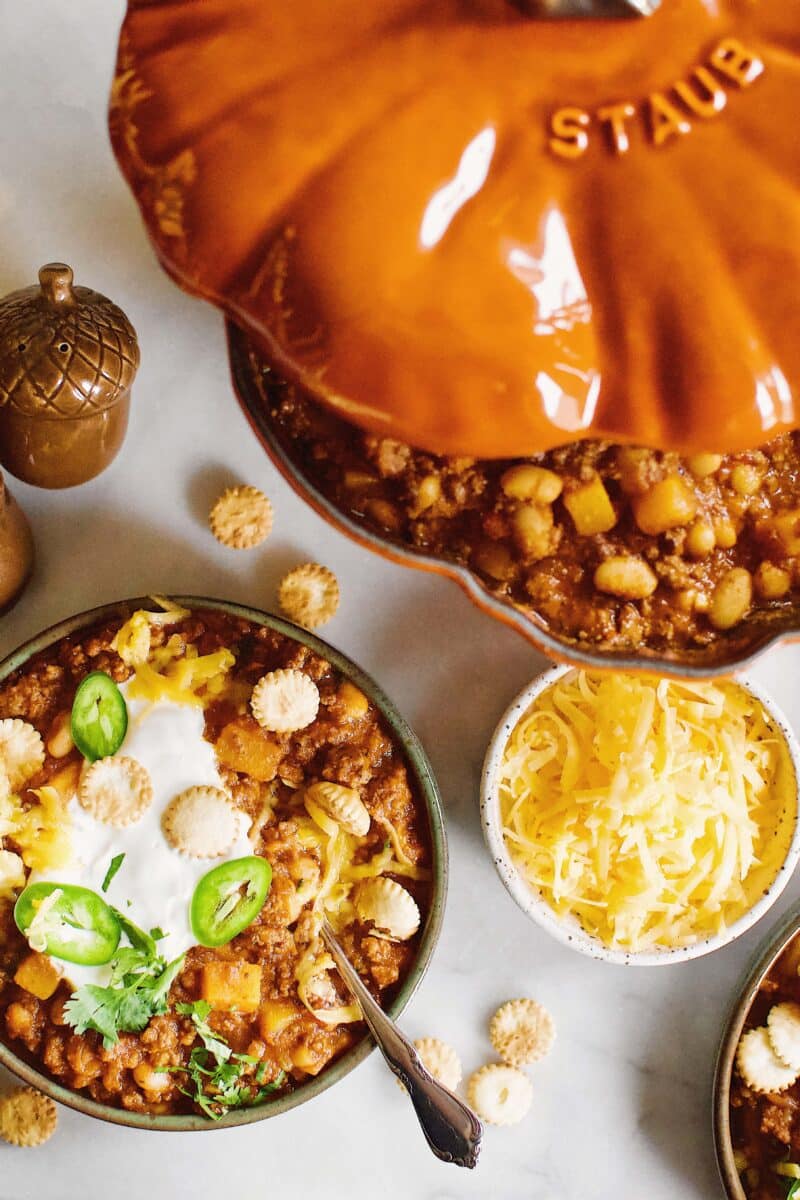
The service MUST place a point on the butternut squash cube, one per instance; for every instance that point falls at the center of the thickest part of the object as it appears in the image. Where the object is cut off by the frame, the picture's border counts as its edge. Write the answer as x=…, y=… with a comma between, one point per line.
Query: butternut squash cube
x=275, y=1016
x=590, y=508
x=307, y=1059
x=232, y=986
x=666, y=505
x=244, y=746
x=37, y=975
x=353, y=701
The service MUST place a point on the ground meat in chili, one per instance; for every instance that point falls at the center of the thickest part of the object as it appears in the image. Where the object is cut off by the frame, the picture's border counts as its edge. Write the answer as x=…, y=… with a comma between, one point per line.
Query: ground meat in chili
x=614, y=547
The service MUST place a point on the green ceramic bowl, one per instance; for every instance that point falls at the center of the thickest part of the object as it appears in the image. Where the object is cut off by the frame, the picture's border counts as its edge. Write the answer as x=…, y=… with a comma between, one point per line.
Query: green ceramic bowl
x=421, y=773
x=767, y=954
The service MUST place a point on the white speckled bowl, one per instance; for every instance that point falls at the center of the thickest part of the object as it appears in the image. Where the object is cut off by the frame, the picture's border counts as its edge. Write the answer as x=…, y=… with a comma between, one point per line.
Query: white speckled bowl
x=567, y=929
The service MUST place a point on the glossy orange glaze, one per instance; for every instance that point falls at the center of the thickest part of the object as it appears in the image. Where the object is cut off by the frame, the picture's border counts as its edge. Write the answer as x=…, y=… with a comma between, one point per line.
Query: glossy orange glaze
x=480, y=232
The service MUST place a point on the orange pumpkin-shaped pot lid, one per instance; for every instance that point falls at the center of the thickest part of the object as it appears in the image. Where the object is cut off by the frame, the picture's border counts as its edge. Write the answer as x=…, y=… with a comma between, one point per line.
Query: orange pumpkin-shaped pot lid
x=481, y=231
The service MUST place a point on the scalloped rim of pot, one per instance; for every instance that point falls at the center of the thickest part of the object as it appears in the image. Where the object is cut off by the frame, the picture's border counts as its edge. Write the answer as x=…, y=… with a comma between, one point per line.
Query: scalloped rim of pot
x=561, y=650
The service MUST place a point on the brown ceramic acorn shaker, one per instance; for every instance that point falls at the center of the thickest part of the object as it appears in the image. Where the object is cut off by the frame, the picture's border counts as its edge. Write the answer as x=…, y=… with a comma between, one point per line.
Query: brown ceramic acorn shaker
x=16, y=548
x=68, y=357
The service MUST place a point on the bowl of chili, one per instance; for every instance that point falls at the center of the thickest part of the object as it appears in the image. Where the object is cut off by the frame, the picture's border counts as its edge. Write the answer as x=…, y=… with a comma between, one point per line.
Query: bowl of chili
x=95, y=927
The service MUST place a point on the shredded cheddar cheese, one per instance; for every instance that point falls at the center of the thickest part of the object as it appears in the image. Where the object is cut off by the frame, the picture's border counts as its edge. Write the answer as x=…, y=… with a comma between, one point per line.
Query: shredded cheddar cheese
x=394, y=838
x=326, y=823
x=44, y=922
x=174, y=671
x=312, y=964
x=189, y=679
x=132, y=641
x=656, y=813
x=341, y=874
x=42, y=831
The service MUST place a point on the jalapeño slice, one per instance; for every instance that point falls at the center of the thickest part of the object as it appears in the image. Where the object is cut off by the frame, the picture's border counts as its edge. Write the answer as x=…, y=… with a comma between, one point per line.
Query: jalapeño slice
x=99, y=717
x=229, y=898
x=76, y=926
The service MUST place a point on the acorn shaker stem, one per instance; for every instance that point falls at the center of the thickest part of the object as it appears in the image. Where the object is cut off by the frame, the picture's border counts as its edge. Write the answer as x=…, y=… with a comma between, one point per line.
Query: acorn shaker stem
x=55, y=280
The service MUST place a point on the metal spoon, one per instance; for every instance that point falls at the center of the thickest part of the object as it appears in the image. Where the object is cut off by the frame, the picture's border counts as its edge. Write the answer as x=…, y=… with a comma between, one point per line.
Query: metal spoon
x=453, y=1131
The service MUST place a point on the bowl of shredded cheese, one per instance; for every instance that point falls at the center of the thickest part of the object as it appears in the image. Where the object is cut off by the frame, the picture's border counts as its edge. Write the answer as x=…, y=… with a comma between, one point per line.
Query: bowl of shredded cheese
x=642, y=820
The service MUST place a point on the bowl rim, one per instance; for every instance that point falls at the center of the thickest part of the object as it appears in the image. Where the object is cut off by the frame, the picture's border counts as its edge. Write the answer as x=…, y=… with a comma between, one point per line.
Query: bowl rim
x=568, y=931
x=422, y=773
x=240, y=347
x=744, y=993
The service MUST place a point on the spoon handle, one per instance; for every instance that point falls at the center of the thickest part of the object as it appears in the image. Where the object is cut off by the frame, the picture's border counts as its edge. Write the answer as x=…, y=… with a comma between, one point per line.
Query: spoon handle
x=453, y=1131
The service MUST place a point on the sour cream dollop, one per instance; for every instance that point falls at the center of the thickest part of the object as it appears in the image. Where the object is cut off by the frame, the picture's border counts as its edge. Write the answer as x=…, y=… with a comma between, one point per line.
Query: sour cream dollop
x=155, y=884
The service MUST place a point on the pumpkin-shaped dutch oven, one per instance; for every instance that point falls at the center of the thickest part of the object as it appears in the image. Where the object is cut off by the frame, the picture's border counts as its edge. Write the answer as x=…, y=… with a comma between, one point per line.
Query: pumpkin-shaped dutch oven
x=484, y=233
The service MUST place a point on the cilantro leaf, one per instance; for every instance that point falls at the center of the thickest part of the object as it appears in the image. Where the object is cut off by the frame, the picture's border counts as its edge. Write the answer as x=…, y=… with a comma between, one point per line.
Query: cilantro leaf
x=163, y=982
x=136, y=936
x=91, y=1008
x=113, y=867
x=133, y=1010
x=218, y=1078
x=137, y=990
x=199, y=1011
x=128, y=962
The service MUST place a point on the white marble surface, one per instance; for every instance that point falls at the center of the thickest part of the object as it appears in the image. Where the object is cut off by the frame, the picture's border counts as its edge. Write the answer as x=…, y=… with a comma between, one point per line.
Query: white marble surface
x=622, y=1107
